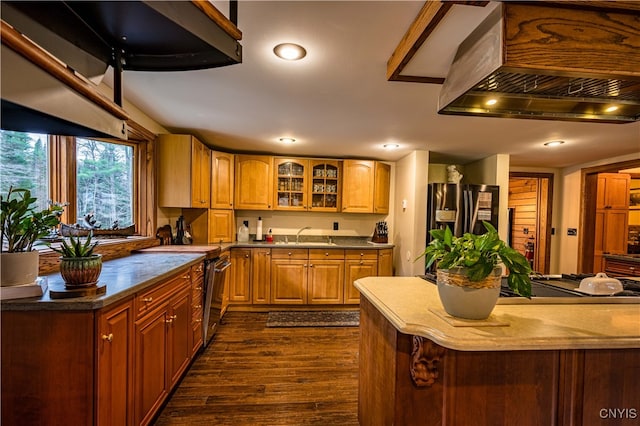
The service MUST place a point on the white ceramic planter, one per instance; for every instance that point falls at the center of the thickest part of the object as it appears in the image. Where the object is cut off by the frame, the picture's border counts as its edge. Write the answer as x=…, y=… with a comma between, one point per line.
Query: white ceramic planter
x=470, y=302
x=19, y=268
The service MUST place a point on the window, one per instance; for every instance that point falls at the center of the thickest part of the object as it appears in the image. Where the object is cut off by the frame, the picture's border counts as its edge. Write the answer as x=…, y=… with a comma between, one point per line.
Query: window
x=24, y=163
x=104, y=180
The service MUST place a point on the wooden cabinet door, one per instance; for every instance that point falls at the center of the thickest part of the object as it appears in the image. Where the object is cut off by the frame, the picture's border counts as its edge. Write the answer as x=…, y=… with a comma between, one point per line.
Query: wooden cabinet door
x=197, y=308
x=240, y=276
x=291, y=181
x=611, y=232
x=253, y=182
x=151, y=364
x=200, y=174
x=179, y=326
x=326, y=282
x=222, y=177
x=358, y=186
x=385, y=263
x=261, y=275
x=613, y=191
x=381, y=188
x=289, y=276
x=358, y=264
x=325, y=185
x=221, y=226
x=114, y=384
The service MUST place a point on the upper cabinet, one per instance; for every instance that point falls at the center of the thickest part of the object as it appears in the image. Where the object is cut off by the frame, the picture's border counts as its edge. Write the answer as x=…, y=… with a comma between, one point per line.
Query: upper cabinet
x=613, y=191
x=325, y=185
x=365, y=187
x=184, y=172
x=254, y=182
x=222, y=180
x=291, y=178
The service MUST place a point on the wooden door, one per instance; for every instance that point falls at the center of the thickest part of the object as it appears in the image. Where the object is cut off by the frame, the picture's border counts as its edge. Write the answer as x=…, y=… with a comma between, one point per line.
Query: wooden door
x=180, y=335
x=381, y=188
x=291, y=180
x=358, y=264
x=222, y=177
x=358, y=186
x=253, y=182
x=385, y=263
x=240, y=276
x=326, y=277
x=289, y=276
x=151, y=364
x=261, y=275
x=114, y=385
x=221, y=227
x=613, y=191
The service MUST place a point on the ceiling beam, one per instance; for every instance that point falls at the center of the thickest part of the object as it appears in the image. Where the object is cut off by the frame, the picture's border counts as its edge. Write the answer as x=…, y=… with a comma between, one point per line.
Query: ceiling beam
x=425, y=23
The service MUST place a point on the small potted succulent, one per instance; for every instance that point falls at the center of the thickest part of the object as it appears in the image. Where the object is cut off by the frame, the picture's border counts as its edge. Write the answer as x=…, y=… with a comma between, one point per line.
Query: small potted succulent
x=22, y=225
x=79, y=266
x=469, y=271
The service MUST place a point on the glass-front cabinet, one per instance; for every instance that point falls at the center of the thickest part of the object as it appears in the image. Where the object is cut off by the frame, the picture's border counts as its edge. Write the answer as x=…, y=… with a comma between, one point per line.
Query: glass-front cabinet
x=291, y=183
x=325, y=185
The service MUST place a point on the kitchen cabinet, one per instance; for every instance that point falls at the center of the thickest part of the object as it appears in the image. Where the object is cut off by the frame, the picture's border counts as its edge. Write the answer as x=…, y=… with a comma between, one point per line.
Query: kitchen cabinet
x=222, y=180
x=365, y=187
x=253, y=182
x=325, y=281
x=184, y=172
x=358, y=264
x=197, y=312
x=385, y=263
x=221, y=226
x=240, y=276
x=325, y=188
x=261, y=275
x=114, y=387
x=620, y=267
x=163, y=332
x=291, y=179
x=289, y=276
x=612, y=217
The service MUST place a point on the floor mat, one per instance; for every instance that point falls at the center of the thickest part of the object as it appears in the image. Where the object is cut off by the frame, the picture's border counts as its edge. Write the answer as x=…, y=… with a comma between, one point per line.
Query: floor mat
x=314, y=319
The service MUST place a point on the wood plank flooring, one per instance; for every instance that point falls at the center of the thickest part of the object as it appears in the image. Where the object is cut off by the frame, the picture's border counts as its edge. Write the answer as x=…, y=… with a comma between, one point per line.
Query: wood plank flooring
x=253, y=375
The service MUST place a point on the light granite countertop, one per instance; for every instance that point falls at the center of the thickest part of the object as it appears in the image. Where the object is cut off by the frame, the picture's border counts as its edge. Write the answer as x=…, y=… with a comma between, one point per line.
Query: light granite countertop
x=123, y=277
x=413, y=307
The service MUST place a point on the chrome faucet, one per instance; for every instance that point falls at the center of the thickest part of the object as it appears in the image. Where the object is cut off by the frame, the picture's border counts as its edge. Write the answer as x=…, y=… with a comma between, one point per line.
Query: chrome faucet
x=298, y=234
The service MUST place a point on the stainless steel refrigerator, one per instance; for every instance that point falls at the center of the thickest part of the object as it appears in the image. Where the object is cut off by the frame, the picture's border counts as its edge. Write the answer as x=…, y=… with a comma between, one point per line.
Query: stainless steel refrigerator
x=463, y=207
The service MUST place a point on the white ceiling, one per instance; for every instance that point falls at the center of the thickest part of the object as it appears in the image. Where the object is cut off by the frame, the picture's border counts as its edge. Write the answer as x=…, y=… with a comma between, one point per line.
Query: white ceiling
x=337, y=102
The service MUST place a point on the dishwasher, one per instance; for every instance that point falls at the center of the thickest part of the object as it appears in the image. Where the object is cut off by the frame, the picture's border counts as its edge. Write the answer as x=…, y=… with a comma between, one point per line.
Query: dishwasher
x=215, y=277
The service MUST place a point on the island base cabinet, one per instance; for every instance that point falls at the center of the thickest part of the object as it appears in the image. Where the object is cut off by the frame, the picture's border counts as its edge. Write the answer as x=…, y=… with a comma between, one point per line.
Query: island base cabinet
x=410, y=380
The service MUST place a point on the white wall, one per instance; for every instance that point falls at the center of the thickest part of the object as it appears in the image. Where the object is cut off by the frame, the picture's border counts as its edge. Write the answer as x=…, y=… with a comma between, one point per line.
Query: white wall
x=410, y=223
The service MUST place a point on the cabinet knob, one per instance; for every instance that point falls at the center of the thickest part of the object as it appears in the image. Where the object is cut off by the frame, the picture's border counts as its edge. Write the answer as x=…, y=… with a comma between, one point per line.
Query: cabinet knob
x=173, y=317
x=107, y=337
x=198, y=306
x=169, y=321
x=246, y=255
x=311, y=265
x=186, y=277
x=326, y=254
x=147, y=299
x=289, y=253
x=198, y=288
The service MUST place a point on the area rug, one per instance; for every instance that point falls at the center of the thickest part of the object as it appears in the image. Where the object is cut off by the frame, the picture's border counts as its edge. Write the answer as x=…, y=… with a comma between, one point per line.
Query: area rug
x=313, y=319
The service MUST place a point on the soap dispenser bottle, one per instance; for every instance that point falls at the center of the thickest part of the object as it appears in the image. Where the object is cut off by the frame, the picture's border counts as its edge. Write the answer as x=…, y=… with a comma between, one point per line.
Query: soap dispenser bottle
x=243, y=231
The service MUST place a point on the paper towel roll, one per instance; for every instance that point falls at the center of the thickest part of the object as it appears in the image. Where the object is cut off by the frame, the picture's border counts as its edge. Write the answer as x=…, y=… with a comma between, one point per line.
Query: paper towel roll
x=259, y=230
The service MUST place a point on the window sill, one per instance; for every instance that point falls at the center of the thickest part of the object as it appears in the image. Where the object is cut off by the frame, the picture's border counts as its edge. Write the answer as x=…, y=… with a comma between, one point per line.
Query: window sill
x=110, y=248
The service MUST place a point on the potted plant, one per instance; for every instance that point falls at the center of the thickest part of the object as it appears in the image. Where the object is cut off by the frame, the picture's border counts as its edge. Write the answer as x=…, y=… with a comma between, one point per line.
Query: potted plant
x=469, y=271
x=22, y=224
x=79, y=266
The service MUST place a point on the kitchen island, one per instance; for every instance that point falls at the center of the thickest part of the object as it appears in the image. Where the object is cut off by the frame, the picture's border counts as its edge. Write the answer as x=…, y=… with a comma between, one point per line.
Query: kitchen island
x=527, y=364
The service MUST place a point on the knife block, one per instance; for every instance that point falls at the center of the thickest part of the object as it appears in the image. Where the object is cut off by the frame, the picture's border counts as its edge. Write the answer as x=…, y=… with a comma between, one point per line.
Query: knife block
x=379, y=238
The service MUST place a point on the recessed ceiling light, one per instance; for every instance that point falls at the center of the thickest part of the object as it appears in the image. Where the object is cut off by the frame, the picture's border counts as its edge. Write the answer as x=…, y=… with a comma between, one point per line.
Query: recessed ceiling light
x=611, y=108
x=491, y=102
x=391, y=146
x=553, y=143
x=290, y=51
x=287, y=140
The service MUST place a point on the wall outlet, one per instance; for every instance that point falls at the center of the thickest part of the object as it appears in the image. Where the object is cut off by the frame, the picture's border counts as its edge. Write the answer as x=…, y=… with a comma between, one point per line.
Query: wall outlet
x=572, y=232
x=335, y=226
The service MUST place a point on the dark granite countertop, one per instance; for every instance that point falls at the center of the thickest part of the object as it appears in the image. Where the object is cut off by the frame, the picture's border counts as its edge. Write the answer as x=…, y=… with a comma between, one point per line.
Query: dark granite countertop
x=310, y=242
x=626, y=257
x=123, y=277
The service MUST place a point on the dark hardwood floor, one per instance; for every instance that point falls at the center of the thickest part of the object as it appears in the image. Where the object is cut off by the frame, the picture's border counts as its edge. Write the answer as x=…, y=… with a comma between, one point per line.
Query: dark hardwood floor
x=254, y=375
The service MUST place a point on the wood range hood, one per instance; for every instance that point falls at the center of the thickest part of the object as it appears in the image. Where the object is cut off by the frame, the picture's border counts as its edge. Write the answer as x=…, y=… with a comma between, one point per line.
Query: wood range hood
x=542, y=61
x=55, y=53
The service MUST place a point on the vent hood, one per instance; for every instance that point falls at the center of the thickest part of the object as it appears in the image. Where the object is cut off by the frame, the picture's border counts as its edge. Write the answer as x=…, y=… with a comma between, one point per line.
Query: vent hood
x=548, y=62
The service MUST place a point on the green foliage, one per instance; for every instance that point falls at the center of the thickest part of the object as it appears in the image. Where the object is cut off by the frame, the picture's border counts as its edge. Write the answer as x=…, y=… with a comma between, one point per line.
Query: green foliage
x=21, y=223
x=76, y=248
x=479, y=254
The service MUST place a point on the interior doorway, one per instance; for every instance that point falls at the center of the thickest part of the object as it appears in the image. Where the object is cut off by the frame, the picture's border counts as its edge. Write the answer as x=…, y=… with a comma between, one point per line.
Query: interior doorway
x=530, y=202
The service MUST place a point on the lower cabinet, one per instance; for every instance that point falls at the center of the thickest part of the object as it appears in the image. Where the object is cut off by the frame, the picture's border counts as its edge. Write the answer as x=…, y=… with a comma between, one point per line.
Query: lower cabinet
x=240, y=282
x=289, y=276
x=261, y=275
x=358, y=264
x=113, y=366
x=325, y=283
x=197, y=309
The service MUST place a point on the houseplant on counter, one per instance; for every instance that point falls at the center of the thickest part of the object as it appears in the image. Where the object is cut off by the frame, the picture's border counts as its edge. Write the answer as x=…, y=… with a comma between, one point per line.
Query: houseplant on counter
x=469, y=270
x=22, y=224
x=79, y=266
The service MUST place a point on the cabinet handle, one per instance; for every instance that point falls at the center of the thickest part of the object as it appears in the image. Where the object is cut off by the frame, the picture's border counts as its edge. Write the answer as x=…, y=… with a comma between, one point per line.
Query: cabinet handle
x=107, y=337
x=169, y=321
x=198, y=306
x=173, y=317
x=198, y=288
x=186, y=277
x=199, y=268
x=147, y=299
x=198, y=320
